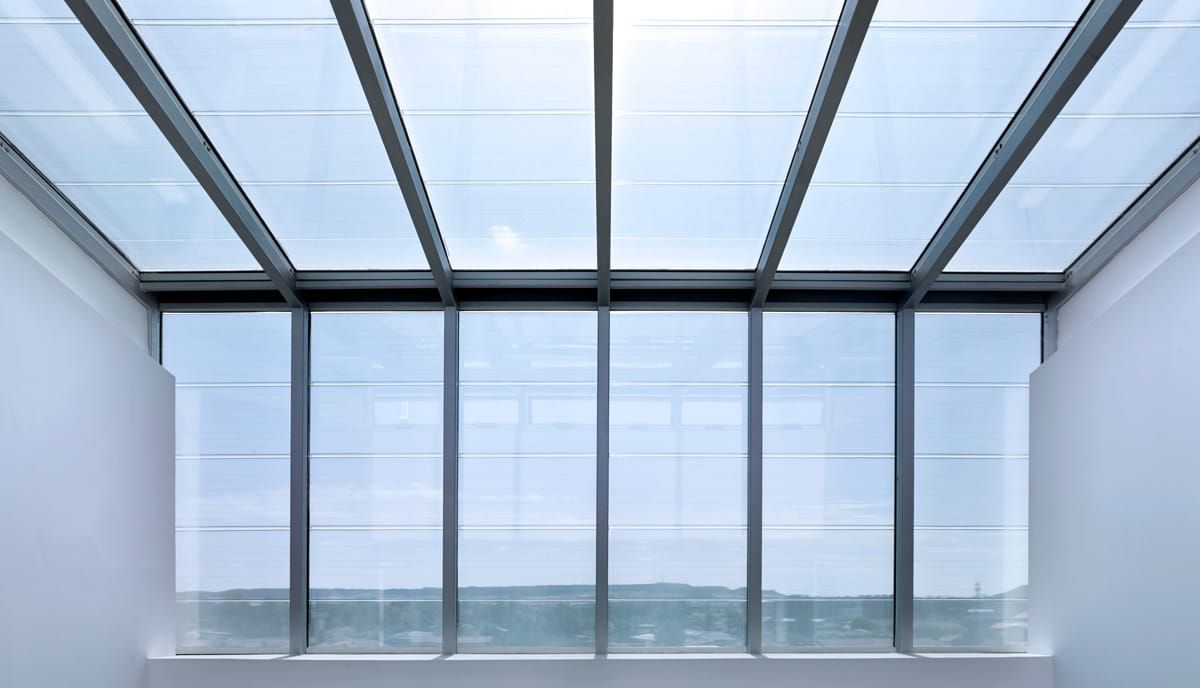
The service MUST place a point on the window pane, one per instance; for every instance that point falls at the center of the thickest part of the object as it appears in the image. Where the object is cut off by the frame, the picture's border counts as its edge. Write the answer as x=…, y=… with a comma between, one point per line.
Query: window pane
x=677, y=492
x=933, y=87
x=375, y=481
x=273, y=86
x=972, y=465
x=232, y=468
x=1136, y=112
x=828, y=474
x=708, y=102
x=497, y=99
x=71, y=115
x=527, y=473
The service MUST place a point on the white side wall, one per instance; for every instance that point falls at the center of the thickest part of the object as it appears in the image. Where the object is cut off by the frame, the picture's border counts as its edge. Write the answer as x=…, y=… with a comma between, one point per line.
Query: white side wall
x=86, y=479
x=1115, y=470
x=29, y=230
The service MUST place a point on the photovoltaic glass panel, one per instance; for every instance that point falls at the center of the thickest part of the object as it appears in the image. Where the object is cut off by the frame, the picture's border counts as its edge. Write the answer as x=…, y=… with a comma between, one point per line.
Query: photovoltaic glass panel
x=828, y=474
x=933, y=88
x=497, y=100
x=273, y=87
x=971, y=484
x=232, y=476
x=375, y=482
x=527, y=481
x=65, y=108
x=677, y=485
x=708, y=100
x=1136, y=112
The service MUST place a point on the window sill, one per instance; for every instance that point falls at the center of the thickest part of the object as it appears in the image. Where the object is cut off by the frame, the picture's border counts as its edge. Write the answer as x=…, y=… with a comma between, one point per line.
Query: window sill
x=697, y=670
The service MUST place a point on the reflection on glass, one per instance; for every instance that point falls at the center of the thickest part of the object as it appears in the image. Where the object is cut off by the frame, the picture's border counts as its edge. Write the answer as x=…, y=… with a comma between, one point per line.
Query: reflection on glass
x=677, y=504
x=933, y=87
x=828, y=472
x=527, y=470
x=1136, y=112
x=709, y=99
x=972, y=465
x=497, y=101
x=66, y=109
x=232, y=445
x=273, y=86
x=375, y=482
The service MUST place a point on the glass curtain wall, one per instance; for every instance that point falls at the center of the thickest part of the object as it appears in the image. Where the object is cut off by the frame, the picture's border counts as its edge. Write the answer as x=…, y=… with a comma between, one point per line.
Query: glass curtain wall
x=232, y=461
x=971, y=537
x=375, y=481
x=527, y=475
x=828, y=478
x=677, y=480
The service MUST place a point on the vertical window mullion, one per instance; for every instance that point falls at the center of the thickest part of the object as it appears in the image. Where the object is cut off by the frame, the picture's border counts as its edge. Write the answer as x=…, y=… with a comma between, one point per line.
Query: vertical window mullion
x=450, y=485
x=298, y=595
x=602, y=380
x=905, y=462
x=754, y=485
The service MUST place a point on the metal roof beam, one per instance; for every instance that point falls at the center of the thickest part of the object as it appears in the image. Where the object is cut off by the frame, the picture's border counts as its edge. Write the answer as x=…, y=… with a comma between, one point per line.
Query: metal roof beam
x=1092, y=35
x=839, y=63
x=119, y=42
x=368, y=62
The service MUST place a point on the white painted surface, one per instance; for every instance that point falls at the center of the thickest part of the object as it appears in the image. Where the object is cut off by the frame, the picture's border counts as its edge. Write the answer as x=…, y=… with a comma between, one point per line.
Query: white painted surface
x=1169, y=232
x=47, y=245
x=1115, y=486
x=859, y=671
x=86, y=491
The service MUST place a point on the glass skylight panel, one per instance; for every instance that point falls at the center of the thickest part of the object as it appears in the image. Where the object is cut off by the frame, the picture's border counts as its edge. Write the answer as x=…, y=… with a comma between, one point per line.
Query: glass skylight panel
x=933, y=88
x=65, y=108
x=1137, y=111
x=498, y=103
x=708, y=99
x=273, y=87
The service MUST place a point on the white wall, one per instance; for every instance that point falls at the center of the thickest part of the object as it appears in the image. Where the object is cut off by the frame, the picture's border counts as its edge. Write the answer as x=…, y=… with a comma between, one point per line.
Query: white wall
x=86, y=486
x=1115, y=471
x=29, y=230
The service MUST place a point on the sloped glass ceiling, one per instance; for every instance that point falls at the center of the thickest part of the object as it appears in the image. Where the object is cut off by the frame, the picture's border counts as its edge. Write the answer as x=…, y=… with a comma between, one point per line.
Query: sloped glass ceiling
x=65, y=108
x=709, y=99
x=934, y=86
x=273, y=87
x=497, y=96
x=1130, y=119
x=497, y=99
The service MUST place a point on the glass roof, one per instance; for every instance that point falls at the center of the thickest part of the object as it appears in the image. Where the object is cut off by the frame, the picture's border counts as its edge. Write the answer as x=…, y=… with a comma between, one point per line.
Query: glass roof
x=273, y=87
x=65, y=108
x=497, y=100
x=708, y=99
x=497, y=96
x=932, y=90
x=1134, y=114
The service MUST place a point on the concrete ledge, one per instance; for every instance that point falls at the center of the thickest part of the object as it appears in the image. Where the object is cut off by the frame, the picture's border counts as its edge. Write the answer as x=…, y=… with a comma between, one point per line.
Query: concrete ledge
x=625, y=671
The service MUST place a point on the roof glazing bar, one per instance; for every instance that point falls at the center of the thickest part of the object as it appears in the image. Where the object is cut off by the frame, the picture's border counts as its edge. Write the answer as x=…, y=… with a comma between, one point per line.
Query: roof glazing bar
x=839, y=63
x=368, y=62
x=1092, y=35
x=116, y=38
